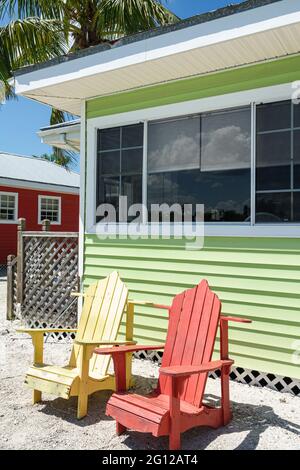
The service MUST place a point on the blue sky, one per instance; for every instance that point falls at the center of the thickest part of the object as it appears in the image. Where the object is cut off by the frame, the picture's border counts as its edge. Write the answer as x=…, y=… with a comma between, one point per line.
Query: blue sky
x=21, y=119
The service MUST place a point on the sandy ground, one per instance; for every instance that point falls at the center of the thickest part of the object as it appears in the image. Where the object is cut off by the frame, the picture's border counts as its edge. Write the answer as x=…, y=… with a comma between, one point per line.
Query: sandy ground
x=263, y=419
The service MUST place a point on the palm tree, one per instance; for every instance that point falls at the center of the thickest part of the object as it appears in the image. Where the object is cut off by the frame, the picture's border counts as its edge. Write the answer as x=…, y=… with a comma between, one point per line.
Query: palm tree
x=65, y=159
x=41, y=29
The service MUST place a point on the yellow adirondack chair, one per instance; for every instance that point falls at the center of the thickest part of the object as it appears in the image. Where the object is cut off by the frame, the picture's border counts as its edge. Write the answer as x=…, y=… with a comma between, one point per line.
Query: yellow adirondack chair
x=86, y=373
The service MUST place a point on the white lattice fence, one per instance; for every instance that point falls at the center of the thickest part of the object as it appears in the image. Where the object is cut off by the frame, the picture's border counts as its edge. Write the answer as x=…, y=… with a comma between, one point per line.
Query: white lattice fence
x=245, y=376
x=46, y=274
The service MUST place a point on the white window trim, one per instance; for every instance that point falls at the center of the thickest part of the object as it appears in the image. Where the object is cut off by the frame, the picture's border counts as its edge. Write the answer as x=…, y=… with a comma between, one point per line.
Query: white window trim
x=57, y=198
x=16, y=196
x=228, y=101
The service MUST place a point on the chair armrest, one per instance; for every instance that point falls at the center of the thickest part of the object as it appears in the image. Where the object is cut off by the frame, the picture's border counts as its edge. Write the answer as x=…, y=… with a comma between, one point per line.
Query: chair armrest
x=236, y=319
x=46, y=330
x=149, y=304
x=128, y=349
x=77, y=294
x=104, y=343
x=187, y=371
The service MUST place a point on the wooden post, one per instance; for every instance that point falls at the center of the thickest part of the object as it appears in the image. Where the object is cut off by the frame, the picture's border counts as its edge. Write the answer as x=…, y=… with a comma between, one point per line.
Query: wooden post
x=225, y=373
x=20, y=265
x=46, y=224
x=129, y=337
x=10, y=288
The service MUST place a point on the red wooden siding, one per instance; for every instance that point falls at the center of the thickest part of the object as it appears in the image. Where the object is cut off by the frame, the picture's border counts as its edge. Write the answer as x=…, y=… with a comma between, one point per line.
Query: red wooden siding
x=28, y=209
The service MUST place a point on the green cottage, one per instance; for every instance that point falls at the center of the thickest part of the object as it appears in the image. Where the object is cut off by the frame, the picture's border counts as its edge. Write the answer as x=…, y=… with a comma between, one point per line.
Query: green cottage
x=201, y=112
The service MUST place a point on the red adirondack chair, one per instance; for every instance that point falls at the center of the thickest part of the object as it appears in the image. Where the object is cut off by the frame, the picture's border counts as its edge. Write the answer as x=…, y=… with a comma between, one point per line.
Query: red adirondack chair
x=176, y=405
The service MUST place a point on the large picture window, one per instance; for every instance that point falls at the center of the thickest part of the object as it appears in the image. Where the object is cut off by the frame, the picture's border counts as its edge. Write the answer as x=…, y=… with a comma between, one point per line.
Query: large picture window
x=278, y=163
x=203, y=159
x=120, y=165
x=209, y=159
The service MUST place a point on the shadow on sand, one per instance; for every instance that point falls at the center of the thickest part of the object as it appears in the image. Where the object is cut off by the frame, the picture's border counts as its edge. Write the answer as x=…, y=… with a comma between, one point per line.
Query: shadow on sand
x=252, y=420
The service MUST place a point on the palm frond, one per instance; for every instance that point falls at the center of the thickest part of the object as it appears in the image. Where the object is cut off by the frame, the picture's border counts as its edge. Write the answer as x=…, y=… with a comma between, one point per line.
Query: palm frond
x=20, y=9
x=24, y=42
x=124, y=17
x=63, y=158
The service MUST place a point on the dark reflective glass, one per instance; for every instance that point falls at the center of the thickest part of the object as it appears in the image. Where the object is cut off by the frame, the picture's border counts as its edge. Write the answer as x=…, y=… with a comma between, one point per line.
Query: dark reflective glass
x=226, y=140
x=297, y=159
x=109, y=139
x=273, y=161
x=132, y=188
x=108, y=192
x=109, y=163
x=297, y=115
x=296, y=207
x=132, y=161
x=273, y=208
x=132, y=136
x=224, y=194
x=274, y=116
x=174, y=144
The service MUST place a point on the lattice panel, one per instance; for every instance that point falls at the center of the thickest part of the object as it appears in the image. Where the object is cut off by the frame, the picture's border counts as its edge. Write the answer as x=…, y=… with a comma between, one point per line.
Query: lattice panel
x=50, y=275
x=245, y=376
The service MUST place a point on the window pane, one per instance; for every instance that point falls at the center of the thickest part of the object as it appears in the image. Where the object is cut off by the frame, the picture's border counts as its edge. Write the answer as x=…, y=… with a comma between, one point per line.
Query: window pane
x=109, y=190
x=273, y=160
x=274, y=116
x=7, y=207
x=273, y=208
x=132, y=161
x=226, y=195
x=109, y=139
x=49, y=209
x=132, y=188
x=296, y=115
x=132, y=136
x=221, y=182
x=296, y=159
x=109, y=163
x=226, y=140
x=174, y=145
x=296, y=207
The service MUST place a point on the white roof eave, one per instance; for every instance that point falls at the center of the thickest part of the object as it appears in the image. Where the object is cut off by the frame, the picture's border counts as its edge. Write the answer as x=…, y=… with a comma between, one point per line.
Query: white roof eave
x=65, y=137
x=189, y=51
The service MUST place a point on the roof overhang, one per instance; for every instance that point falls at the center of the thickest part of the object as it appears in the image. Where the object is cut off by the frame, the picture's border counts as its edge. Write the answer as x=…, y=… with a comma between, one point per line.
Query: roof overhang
x=234, y=40
x=64, y=136
x=38, y=186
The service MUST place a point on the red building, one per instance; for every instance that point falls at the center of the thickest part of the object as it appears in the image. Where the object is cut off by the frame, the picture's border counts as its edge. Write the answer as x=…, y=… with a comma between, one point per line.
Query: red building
x=35, y=190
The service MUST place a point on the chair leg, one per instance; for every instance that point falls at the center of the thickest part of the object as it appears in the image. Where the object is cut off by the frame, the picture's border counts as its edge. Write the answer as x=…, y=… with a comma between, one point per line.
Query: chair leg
x=175, y=440
x=82, y=406
x=120, y=429
x=227, y=415
x=36, y=396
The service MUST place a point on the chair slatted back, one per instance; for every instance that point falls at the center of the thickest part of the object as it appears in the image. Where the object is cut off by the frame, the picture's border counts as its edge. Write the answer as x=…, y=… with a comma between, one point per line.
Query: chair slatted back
x=104, y=305
x=193, y=323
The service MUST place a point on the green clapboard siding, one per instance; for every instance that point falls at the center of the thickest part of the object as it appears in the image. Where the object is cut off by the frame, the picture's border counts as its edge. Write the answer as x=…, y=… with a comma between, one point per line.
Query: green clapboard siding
x=240, y=79
x=256, y=278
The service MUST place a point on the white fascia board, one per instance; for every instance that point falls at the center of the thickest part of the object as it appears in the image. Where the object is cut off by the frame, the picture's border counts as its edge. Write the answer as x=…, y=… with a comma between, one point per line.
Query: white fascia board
x=66, y=138
x=286, y=12
x=15, y=183
x=69, y=130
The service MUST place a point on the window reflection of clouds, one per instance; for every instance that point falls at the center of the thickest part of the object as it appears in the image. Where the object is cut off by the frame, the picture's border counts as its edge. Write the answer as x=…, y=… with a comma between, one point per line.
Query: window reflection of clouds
x=225, y=148
x=220, y=179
